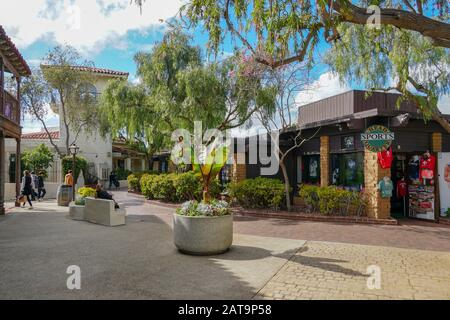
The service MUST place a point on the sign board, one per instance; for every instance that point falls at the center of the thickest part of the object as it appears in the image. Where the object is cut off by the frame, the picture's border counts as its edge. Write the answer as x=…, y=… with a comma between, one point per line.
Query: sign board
x=376, y=138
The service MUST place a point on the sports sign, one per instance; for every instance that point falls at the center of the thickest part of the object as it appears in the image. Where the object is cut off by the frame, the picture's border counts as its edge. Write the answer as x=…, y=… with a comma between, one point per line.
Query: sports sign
x=376, y=138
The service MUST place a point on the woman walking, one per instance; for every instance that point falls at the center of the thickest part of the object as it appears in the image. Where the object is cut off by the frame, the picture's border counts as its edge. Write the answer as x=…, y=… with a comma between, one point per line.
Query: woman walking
x=27, y=188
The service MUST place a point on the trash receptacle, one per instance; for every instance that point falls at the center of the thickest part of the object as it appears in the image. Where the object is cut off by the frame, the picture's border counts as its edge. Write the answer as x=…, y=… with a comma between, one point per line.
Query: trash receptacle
x=64, y=195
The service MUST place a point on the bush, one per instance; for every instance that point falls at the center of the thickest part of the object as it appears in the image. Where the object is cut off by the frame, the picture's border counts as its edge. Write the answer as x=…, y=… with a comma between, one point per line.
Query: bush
x=187, y=186
x=122, y=174
x=133, y=182
x=176, y=187
x=87, y=192
x=332, y=200
x=258, y=193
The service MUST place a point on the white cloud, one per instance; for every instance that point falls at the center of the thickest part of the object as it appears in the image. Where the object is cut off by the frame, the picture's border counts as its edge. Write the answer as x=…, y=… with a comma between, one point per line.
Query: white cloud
x=325, y=86
x=29, y=125
x=444, y=104
x=85, y=24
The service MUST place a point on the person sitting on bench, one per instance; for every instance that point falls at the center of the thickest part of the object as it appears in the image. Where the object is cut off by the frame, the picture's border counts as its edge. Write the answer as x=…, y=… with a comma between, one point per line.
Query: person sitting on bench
x=102, y=194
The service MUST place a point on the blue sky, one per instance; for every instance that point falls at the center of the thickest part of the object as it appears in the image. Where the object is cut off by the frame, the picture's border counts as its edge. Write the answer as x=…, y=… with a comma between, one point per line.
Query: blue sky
x=110, y=33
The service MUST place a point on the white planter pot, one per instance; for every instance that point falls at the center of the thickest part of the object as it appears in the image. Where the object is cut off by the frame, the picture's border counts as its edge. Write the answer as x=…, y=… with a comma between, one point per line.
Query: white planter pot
x=203, y=235
x=76, y=212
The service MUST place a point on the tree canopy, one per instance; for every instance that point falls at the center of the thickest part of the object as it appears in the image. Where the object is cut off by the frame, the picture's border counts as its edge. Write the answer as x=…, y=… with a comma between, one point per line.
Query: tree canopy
x=37, y=159
x=178, y=88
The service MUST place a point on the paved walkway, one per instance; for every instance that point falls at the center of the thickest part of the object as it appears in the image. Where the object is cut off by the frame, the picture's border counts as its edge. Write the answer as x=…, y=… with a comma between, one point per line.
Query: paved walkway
x=270, y=258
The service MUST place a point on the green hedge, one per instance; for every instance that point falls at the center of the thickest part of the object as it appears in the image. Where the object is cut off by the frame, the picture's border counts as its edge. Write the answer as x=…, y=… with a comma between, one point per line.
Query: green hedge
x=174, y=187
x=134, y=180
x=332, y=200
x=258, y=193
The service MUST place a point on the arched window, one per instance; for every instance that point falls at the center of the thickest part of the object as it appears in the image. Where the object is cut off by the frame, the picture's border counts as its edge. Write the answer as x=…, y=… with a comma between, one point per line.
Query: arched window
x=88, y=89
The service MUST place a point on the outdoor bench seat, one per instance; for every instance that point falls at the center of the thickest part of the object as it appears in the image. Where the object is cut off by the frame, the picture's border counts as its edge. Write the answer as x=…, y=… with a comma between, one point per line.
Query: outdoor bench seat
x=102, y=212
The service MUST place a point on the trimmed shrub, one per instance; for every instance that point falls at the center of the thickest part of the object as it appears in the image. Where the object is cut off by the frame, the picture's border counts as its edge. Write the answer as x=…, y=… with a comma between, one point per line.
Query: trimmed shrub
x=258, y=193
x=187, y=186
x=162, y=187
x=133, y=182
x=87, y=192
x=332, y=200
x=122, y=174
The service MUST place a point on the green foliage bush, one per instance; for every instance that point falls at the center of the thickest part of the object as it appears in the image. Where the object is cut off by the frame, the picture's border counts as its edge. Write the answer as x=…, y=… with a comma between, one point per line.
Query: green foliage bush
x=122, y=174
x=258, y=193
x=174, y=187
x=332, y=200
x=133, y=182
x=87, y=192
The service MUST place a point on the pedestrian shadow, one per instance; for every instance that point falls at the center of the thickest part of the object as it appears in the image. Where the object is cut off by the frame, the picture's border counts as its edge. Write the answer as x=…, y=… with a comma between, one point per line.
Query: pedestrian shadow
x=296, y=255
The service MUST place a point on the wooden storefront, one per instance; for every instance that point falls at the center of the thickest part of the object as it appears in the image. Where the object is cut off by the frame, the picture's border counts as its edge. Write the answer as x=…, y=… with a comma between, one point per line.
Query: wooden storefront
x=11, y=62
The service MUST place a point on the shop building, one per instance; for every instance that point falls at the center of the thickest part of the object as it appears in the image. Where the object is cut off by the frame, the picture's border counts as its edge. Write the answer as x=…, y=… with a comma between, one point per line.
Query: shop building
x=335, y=154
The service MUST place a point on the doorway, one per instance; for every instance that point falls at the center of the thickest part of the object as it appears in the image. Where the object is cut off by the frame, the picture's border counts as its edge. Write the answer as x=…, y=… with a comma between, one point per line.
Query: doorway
x=399, y=203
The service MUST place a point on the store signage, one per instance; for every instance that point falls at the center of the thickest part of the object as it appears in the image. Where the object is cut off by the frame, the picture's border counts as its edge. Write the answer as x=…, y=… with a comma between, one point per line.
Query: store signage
x=376, y=138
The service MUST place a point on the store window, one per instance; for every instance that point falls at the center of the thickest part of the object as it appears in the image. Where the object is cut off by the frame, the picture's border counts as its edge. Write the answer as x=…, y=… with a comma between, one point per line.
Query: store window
x=347, y=170
x=310, y=169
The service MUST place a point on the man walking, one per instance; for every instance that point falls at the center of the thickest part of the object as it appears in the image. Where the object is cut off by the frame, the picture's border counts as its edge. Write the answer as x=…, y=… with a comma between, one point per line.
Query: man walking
x=41, y=186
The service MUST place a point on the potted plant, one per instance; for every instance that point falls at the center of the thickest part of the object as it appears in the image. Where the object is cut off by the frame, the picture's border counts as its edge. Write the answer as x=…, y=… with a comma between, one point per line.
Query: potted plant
x=76, y=208
x=205, y=227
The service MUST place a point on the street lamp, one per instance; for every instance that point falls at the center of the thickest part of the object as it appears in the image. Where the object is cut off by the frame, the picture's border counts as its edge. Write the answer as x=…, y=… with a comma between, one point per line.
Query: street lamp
x=73, y=151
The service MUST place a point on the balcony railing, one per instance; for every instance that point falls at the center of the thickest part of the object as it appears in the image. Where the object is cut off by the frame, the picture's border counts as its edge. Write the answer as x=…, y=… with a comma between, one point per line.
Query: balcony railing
x=10, y=108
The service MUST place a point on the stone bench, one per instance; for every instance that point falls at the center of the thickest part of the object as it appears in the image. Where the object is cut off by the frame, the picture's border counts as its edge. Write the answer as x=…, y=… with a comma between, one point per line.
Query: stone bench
x=102, y=212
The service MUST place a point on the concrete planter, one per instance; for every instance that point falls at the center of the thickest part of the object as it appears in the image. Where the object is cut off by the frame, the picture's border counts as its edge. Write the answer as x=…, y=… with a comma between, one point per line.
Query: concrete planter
x=76, y=212
x=203, y=235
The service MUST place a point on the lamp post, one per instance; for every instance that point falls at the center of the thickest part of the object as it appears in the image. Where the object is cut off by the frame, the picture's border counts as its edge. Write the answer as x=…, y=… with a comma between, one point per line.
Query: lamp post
x=73, y=151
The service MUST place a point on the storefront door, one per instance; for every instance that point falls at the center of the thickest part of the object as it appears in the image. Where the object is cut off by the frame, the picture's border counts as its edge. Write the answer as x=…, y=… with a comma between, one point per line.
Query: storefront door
x=414, y=191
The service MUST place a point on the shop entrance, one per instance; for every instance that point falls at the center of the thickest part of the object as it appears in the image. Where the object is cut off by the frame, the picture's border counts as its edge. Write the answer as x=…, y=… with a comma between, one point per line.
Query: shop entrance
x=414, y=189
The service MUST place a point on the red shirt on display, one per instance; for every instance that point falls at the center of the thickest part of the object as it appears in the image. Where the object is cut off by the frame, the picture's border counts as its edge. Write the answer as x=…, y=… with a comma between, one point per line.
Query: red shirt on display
x=427, y=167
x=402, y=189
x=385, y=158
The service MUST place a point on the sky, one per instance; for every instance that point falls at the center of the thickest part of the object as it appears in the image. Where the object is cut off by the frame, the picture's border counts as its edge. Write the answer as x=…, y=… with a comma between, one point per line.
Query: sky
x=110, y=33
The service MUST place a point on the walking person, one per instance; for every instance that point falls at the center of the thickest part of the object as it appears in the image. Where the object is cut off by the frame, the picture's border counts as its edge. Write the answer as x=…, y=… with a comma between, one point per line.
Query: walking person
x=41, y=186
x=27, y=188
x=34, y=186
x=112, y=179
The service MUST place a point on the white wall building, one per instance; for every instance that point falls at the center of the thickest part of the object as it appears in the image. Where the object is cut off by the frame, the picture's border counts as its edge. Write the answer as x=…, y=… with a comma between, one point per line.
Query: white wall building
x=97, y=150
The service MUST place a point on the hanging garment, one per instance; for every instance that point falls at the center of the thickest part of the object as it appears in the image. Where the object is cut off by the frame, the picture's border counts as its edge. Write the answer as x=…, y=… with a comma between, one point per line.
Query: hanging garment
x=385, y=158
x=413, y=165
x=427, y=167
x=402, y=189
x=386, y=187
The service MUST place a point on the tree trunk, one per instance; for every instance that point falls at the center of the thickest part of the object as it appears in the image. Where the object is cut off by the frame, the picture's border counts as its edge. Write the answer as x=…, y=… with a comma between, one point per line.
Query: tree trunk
x=286, y=185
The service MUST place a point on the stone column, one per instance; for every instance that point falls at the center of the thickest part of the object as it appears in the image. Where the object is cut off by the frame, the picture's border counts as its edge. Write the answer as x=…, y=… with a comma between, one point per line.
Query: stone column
x=378, y=207
x=128, y=164
x=18, y=173
x=2, y=173
x=324, y=161
x=436, y=142
x=239, y=171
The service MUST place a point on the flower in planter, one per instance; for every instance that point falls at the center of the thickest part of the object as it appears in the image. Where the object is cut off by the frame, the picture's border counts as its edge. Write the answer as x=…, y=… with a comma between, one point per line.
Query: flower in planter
x=198, y=209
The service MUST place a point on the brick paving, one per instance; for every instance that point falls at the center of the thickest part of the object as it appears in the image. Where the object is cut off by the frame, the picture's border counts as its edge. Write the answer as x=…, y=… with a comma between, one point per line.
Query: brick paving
x=323, y=270
x=411, y=234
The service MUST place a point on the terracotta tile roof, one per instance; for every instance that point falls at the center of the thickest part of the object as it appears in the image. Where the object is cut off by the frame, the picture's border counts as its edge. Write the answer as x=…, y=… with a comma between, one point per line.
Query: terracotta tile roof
x=40, y=135
x=12, y=54
x=95, y=70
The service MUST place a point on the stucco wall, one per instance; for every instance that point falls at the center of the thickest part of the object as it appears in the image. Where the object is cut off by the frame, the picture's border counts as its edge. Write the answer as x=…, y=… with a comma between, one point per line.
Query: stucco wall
x=50, y=187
